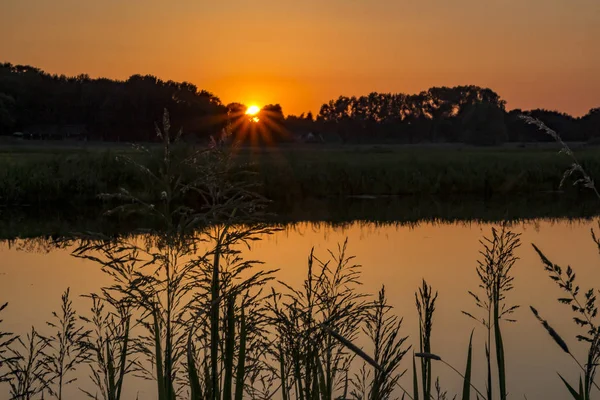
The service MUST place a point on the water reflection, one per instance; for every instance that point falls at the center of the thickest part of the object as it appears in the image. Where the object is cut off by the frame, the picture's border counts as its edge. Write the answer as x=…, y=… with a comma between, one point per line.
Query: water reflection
x=33, y=222
x=35, y=274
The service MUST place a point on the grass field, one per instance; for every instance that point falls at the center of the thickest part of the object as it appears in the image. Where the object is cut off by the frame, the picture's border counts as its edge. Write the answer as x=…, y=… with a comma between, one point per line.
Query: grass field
x=39, y=175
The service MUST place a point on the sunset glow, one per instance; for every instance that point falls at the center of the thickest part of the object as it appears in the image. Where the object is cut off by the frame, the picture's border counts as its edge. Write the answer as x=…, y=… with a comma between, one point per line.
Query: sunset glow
x=535, y=53
x=210, y=177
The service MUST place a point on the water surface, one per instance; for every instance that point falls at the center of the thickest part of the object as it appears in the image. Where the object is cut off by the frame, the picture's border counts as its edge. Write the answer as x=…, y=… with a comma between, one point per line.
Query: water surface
x=33, y=276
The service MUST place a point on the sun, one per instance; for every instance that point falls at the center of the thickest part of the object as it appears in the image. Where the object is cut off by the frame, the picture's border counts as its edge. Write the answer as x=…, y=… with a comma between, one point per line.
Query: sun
x=253, y=110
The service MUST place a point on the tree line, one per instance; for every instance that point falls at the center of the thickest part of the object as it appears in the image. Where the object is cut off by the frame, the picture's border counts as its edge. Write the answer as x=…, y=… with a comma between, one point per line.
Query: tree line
x=44, y=105
x=111, y=110
x=468, y=114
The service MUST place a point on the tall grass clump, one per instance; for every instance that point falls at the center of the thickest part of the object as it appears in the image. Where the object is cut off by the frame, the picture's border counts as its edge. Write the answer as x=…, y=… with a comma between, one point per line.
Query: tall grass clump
x=496, y=280
x=192, y=294
x=108, y=341
x=583, y=304
x=315, y=330
x=309, y=322
x=576, y=168
x=6, y=338
x=231, y=313
x=382, y=328
x=65, y=348
x=38, y=364
x=27, y=375
x=425, y=300
x=466, y=377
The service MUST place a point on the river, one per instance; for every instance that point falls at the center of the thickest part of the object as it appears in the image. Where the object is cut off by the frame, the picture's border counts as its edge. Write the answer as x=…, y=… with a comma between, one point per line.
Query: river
x=399, y=256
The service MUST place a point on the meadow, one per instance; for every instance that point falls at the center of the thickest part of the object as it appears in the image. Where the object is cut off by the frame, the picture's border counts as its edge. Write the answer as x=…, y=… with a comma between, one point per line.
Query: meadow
x=55, y=174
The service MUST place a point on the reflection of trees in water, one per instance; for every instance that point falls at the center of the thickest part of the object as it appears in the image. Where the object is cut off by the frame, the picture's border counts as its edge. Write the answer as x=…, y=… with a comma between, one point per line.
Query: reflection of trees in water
x=37, y=245
x=44, y=230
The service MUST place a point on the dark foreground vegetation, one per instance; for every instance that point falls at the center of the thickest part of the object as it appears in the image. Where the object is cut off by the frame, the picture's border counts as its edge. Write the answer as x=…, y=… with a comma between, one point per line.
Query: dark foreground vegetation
x=290, y=174
x=186, y=311
x=37, y=105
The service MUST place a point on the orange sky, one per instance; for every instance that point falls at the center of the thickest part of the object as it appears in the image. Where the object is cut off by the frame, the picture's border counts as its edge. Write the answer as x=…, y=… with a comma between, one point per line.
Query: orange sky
x=535, y=53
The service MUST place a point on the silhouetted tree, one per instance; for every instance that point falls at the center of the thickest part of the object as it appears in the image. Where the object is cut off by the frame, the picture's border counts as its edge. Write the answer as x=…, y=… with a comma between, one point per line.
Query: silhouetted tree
x=7, y=120
x=433, y=115
x=591, y=124
x=483, y=124
x=48, y=105
x=109, y=109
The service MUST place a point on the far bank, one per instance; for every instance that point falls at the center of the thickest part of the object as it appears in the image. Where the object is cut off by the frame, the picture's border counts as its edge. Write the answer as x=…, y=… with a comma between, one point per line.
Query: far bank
x=37, y=175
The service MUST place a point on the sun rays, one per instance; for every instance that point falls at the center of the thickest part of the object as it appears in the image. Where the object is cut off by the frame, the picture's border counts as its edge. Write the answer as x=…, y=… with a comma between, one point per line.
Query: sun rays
x=257, y=126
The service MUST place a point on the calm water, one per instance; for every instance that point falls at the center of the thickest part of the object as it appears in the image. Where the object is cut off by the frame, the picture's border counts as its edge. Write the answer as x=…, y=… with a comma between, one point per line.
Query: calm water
x=445, y=254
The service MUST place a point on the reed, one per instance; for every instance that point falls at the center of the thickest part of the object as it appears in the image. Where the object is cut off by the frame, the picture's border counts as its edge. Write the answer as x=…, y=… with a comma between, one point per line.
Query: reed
x=466, y=393
x=6, y=339
x=389, y=348
x=108, y=342
x=496, y=280
x=26, y=373
x=316, y=324
x=425, y=300
x=187, y=281
x=66, y=348
x=467, y=384
x=583, y=306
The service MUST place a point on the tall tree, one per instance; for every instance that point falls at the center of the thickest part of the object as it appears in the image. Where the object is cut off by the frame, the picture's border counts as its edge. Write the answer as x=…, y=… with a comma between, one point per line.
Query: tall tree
x=483, y=124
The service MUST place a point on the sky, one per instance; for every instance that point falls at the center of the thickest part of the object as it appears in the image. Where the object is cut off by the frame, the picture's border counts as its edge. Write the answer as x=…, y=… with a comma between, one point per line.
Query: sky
x=301, y=54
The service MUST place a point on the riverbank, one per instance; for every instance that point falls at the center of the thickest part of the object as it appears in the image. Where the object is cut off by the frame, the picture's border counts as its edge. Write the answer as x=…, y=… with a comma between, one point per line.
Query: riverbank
x=286, y=175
